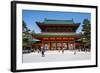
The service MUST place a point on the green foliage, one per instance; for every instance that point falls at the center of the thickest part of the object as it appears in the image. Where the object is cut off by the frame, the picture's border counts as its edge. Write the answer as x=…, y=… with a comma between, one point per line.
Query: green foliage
x=86, y=35
x=26, y=35
x=24, y=24
x=25, y=28
x=86, y=29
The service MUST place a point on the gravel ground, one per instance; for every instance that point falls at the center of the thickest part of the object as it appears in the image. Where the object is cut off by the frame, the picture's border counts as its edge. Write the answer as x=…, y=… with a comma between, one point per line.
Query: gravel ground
x=52, y=56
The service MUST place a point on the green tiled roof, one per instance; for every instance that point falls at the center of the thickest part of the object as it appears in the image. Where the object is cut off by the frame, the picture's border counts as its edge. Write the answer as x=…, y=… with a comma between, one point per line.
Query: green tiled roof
x=57, y=34
x=47, y=21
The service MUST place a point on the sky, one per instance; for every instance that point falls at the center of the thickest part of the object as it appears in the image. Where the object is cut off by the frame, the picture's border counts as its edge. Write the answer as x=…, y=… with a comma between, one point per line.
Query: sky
x=30, y=17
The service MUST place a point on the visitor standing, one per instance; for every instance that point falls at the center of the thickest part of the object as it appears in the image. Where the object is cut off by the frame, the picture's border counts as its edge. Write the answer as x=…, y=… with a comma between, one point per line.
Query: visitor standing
x=63, y=49
x=42, y=51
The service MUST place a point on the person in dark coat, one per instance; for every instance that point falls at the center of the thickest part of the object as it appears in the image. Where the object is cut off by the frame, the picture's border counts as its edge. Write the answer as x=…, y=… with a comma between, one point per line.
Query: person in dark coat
x=42, y=51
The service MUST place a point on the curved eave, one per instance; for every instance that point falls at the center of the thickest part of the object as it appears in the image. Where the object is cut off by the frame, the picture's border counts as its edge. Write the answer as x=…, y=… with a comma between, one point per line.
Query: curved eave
x=42, y=25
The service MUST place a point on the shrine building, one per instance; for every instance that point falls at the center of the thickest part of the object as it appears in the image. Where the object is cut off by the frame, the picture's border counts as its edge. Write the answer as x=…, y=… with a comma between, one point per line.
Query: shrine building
x=57, y=34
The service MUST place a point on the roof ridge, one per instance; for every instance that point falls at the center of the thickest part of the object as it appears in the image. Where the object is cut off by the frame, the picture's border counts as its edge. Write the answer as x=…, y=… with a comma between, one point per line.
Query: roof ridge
x=58, y=20
x=51, y=21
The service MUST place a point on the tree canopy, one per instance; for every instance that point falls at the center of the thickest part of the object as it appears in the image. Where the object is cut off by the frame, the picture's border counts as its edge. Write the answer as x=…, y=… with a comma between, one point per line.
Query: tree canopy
x=86, y=35
x=26, y=35
x=86, y=29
